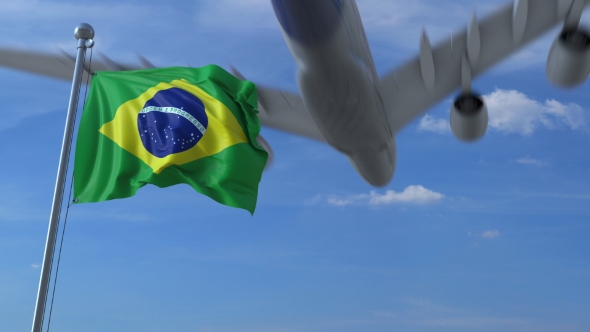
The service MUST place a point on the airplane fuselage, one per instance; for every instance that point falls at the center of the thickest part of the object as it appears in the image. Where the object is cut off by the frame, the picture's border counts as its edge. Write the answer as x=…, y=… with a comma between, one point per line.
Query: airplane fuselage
x=337, y=81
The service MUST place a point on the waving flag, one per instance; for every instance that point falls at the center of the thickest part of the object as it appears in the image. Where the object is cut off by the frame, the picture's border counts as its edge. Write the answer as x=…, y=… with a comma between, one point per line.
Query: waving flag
x=169, y=126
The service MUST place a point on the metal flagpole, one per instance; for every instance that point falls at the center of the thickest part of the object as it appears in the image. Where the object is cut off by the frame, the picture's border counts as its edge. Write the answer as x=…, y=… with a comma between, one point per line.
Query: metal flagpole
x=84, y=34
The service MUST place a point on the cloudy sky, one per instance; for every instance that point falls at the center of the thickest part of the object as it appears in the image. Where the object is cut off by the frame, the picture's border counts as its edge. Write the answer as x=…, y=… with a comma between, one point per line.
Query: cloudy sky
x=490, y=236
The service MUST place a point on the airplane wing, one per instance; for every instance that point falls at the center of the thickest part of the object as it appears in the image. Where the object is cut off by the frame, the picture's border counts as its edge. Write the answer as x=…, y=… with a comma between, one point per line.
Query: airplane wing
x=407, y=91
x=413, y=88
x=56, y=65
x=278, y=109
x=285, y=111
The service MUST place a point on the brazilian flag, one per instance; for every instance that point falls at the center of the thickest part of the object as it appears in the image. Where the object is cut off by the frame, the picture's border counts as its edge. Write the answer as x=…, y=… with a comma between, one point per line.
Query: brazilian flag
x=168, y=126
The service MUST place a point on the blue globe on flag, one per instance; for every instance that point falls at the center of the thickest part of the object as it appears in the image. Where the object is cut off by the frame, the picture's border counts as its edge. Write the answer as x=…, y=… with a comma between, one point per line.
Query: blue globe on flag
x=173, y=121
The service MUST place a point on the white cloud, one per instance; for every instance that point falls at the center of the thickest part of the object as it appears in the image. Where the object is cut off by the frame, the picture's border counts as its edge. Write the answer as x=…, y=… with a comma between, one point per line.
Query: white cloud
x=427, y=305
x=414, y=194
x=423, y=313
x=385, y=314
x=315, y=199
x=490, y=234
x=340, y=201
x=531, y=161
x=35, y=266
x=430, y=123
x=511, y=111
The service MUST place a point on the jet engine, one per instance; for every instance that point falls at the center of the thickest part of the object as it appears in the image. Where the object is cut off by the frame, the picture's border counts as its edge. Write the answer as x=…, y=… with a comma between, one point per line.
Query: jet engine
x=568, y=63
x=469, y=117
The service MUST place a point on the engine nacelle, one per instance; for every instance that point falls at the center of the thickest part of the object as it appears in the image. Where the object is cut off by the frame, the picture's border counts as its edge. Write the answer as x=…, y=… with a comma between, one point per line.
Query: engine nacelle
x=568, y=63
x=469, y=117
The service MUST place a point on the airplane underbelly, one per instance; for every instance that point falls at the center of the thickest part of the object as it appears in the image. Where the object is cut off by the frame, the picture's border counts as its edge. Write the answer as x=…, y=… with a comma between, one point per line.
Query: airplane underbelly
x=343, y=103
x=336, y=87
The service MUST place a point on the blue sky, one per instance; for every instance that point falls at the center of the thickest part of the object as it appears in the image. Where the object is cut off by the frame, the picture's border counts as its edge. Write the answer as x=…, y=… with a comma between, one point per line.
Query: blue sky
x=490, y=236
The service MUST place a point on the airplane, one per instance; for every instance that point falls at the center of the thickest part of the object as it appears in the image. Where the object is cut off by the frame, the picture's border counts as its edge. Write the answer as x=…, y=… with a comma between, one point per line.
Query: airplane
x=343, y=101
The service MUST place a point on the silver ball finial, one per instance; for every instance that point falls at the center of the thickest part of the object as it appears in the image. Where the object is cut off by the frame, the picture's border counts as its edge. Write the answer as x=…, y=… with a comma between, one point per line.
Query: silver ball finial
x=84, y=31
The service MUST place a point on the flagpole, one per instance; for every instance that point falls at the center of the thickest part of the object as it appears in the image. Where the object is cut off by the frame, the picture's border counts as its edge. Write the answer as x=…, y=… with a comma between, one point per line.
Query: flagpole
x=84, y=34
